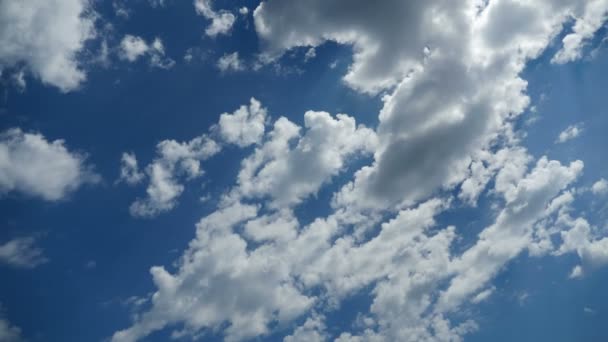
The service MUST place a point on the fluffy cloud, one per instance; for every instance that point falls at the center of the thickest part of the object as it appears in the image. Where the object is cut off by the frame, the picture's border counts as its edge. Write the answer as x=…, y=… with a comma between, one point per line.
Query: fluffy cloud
x=245, y=126
x=592, y=18
x=21, y=253
x=600, y=187
x=174, y=161
x=177, y=161
x=230, y=62
x=221, y=22
x=511, y=232
x=133, y=47
x=129, y=170
x=46, y=36
x=289, y=174
x=34, y=166
x=219, y=280
x=569, y=133
x=450, y=71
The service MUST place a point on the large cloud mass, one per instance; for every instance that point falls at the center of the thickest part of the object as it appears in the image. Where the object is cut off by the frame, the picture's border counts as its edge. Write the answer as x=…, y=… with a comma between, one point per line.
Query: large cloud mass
x=451, y=75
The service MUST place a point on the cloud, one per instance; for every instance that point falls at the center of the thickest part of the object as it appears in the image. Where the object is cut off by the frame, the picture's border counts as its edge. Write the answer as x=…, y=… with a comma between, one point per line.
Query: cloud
x=221, y=22
x=600, y=187
x=219, y=281
x=133, y=47
x=289, y=174
x=129, y=170
x=569, y=133
x=174, y=161
x=450, y=76
x=9, y=332
x=245, y=126
x=313, y=330
x=511, y=232
x=21, y=253
x=47, y=37
x=230, y=62
x=34, y=166
x=585, y=25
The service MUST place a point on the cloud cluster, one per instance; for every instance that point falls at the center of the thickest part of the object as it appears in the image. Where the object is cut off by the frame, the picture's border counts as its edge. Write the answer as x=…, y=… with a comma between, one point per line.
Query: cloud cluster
x=46, y=37
x=450, y=72
x=177, y=162
x=133, y=47
x=174, y=161
x=34, y=166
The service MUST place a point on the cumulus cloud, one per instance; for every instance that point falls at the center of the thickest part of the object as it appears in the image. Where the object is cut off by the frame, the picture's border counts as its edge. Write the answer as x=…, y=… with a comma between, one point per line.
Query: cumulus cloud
x=569, y=133
x=451, y=77
x=221, y=22
x=600, y=187
x=174, y=161
x=591, y=19
x=34, y=166
x=245, y=126
x=47, y=37
x=21, y=253
x=230, y=62
x=133, y=47
x=289, y=174
x=129, y=170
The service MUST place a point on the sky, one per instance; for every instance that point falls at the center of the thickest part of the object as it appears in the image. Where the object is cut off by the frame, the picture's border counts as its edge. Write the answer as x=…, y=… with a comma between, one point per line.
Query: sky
x=322, y=170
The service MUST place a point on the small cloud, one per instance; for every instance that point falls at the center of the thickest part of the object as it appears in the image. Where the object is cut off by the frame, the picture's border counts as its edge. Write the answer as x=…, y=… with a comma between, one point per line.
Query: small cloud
x=483, y=295
x=569, y=133
x=133, y=47
x=244, y=10
x=221, y=21
x=600, y=187
x=310, y=54
x=22, y=253
x=522, y=298
x=588, y=311
x=91, y=264
x=129, y=170
x=230, y=62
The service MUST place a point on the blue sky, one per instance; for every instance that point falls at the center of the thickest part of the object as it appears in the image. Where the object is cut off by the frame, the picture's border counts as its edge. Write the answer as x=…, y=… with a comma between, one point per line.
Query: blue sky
x=312, y=171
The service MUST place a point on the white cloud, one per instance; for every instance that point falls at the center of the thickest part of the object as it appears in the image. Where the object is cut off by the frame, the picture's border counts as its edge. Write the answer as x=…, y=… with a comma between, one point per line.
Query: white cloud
x=230, y=62
x=9, y=332
x=129, y=170
x=569, y=133
x=585, y=26
x=133, y=47
x=219, y=281
x=313, y=330
x=21, y=253
x=174, y=161
x=600, y=187
x=31, y=165
x=221, y=22
x=511, y=232
x=290, y=174
x=451, y=75
x=47, y=36
x=245, y=126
